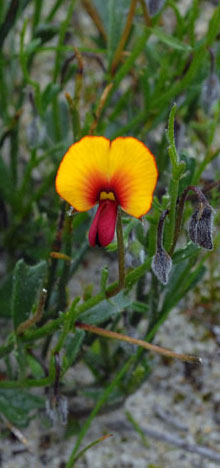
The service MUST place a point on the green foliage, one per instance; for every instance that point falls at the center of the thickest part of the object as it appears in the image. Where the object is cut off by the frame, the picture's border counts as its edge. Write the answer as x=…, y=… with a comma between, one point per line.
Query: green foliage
x=16, y=406
x=27, y=282
x=49, y=97
x=116, y=14
x=105, y=310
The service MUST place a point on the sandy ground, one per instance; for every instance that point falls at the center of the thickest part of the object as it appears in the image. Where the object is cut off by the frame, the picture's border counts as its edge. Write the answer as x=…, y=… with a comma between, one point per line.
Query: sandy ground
x=178, y=405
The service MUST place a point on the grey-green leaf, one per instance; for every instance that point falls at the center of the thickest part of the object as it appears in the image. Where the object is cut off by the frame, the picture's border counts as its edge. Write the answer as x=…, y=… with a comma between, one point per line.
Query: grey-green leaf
x=105, y=310
x=16, y=405
x=27, y=282
x=72, y=346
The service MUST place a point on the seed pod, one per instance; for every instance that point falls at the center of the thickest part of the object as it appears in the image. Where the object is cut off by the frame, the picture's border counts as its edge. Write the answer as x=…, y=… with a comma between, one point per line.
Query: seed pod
x=154, y=6
x=210, y=92
x=57, y=409
x=161, y=265
x=200, y=227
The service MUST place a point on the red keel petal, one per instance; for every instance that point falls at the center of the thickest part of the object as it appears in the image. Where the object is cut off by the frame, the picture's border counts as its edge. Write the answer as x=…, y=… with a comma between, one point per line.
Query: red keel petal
x=102, y=229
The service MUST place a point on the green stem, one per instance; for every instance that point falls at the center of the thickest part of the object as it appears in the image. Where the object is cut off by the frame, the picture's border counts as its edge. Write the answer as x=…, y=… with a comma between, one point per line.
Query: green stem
x=53, y=11
x=170, y=228
x=208, y=159
x=174, y=157
x=37, y=13
x=66, y=266
x=121, y=251
x=92, y=444
x=177, y=170
x=121, y=258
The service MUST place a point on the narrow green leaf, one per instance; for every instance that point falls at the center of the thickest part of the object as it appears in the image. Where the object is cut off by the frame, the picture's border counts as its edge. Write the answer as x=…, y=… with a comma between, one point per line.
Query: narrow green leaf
x=27, y=282
x=117, y=14
x=187, y=252
x=72, y=346
x=214, y=27
x=105, y=310
x=169, y=40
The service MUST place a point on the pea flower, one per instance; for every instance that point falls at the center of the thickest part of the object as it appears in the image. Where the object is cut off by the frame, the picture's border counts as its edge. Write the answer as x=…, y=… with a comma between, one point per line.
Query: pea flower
x=121, y=172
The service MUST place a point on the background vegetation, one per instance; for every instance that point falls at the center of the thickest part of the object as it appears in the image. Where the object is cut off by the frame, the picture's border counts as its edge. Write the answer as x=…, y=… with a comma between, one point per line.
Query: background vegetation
x=68, y=69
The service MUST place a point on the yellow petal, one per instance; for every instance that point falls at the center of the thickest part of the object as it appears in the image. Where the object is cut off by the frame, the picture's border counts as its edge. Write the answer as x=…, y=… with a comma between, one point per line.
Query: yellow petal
x=94, y=168
x=83, y=172
x=133, y=173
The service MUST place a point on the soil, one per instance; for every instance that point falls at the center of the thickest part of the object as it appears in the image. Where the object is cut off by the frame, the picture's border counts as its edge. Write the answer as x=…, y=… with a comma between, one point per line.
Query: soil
x=177, y=409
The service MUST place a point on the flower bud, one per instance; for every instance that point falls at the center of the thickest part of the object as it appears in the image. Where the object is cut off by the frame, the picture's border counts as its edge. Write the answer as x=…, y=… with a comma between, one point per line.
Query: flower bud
x=200, y=227
x=154, y=6
x=57, y=409
x=161, y=265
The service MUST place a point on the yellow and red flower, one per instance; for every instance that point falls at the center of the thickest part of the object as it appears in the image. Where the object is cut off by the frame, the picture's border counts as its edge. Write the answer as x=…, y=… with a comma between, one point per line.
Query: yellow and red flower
x=121, y=172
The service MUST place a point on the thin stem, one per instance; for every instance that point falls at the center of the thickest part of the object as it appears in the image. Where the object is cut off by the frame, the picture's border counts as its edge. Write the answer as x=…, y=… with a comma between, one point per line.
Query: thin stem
x=174, y=157
x=169, y=234
x=124, y=37
x=92, y=444
x=61, y=38
x=135, y=341
x=61, y=303
x=55, y=247
x=53, y=11
x=100, y=107
x=145, y=13
x=160, y=229
x=208, y=159
x=121, y=251
x=37, y=316
x=57, y=373
x=74, y=103
x=37, y=14
x=121, y=258
x=95, y=17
